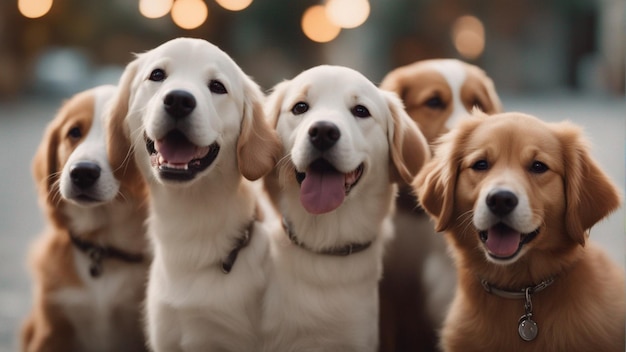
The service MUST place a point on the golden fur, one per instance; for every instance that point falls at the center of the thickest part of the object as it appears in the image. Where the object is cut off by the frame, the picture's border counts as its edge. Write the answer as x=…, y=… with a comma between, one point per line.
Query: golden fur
x=564, y=193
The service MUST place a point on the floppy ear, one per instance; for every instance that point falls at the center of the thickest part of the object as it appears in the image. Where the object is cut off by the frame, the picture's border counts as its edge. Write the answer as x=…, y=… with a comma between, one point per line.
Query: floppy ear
x=436, y=182
x=272, y=109
x=45, y=163
x=488, y=87
x=258, y=146
x=408, y=146
x=274, y=103
x=435, y=185
x=119, y=146
x=590, y=194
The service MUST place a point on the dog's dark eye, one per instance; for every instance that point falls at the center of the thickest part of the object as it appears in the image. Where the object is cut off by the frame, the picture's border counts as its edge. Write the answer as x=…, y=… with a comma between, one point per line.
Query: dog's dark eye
x=435, y=103
x=538, y=167
x=480, y=165
x=217, y=87
x=157, y=75
x=75, y=133
x=360, y=111
x=300, y=108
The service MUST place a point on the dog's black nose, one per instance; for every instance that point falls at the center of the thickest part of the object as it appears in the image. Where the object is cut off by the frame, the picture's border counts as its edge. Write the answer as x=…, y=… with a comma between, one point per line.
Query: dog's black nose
x=84, y=174
x=324, y=134
x=179, y=103
x=501, y=202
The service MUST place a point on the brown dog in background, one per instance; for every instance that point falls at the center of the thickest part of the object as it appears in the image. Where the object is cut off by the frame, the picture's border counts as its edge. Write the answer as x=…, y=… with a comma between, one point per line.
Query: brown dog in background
x=516, y=198
x=419, y=275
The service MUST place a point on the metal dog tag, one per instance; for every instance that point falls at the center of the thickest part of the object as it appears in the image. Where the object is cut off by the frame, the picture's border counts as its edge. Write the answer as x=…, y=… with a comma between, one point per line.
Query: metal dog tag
x=527, y=328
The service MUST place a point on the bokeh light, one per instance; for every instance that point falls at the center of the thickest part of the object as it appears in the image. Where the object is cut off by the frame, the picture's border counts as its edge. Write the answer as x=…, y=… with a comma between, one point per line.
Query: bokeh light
x=189, y=14
x=316, y=25
x=234, y=5
x=468, y=36
x=348, y=13
x=34, y=8
x=155, y=8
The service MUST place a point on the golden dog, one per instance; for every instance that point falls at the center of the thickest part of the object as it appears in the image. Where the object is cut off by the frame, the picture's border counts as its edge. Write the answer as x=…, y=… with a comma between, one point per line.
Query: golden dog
x=516, y=198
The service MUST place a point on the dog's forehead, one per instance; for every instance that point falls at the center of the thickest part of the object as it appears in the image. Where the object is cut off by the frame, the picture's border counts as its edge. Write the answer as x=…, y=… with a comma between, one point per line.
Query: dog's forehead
x=102, y=98
x=342, y=83
x=186, y=55
x=514, y=132
x=453, y=71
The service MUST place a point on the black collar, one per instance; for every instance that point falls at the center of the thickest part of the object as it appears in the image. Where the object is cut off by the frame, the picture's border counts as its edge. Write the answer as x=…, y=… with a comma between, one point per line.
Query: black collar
x=342, y=251
x=98, y=253
x=240, y=243
x=516, y=294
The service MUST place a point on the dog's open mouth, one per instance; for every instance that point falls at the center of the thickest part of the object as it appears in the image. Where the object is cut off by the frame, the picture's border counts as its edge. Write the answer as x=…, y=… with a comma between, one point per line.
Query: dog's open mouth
x=504, y=242
x=323, y=188
x=177, y=158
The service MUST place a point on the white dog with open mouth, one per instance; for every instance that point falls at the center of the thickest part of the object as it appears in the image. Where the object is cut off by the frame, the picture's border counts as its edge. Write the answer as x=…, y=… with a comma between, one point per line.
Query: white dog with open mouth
x=345, y=143
x=194, y=123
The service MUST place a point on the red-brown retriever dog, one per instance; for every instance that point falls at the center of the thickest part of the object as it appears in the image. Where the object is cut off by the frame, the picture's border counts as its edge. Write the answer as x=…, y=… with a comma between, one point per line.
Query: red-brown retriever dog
x=516, y=198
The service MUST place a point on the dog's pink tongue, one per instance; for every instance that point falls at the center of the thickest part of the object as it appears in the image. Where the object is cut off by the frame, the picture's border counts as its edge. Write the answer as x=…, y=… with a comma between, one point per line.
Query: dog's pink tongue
x=176, y=149
x=502, y=241
x=322, y=191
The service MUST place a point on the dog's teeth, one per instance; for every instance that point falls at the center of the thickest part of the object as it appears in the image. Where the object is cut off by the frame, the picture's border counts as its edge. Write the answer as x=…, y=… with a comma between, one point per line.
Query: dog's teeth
x=178, y=166
x=164, y=162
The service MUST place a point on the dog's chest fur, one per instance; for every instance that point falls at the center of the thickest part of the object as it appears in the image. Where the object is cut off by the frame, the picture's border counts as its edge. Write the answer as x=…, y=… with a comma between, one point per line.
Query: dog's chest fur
x=105, y=310
x=105, y=306
x=319, y=300
x=205, y=307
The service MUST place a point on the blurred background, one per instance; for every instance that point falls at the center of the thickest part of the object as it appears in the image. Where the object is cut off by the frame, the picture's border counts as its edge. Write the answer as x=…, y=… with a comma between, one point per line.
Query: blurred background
x=556, y=59
x=529, y=46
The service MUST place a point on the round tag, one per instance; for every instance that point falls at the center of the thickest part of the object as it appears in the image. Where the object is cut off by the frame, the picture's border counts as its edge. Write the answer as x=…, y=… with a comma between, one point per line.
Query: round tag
x=527, y=328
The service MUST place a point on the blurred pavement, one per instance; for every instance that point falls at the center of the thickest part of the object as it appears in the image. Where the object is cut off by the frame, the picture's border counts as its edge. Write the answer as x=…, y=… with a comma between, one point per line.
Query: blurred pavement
x=22, y=124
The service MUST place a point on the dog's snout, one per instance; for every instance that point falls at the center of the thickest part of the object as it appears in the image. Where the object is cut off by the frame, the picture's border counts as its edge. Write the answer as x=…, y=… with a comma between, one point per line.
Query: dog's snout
x=324, y=134
x=179, y=103
x=84, y=174
x=501, y=202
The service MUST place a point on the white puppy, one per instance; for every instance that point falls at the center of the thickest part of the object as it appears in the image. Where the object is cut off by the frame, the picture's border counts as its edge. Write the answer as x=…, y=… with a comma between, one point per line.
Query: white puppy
x=195, y=125
x=345, y=143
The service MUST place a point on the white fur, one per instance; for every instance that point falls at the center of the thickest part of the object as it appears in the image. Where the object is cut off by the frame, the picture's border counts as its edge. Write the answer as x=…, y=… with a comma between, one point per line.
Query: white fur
x=318, y=302
x=455, y=74
x=191, y=304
